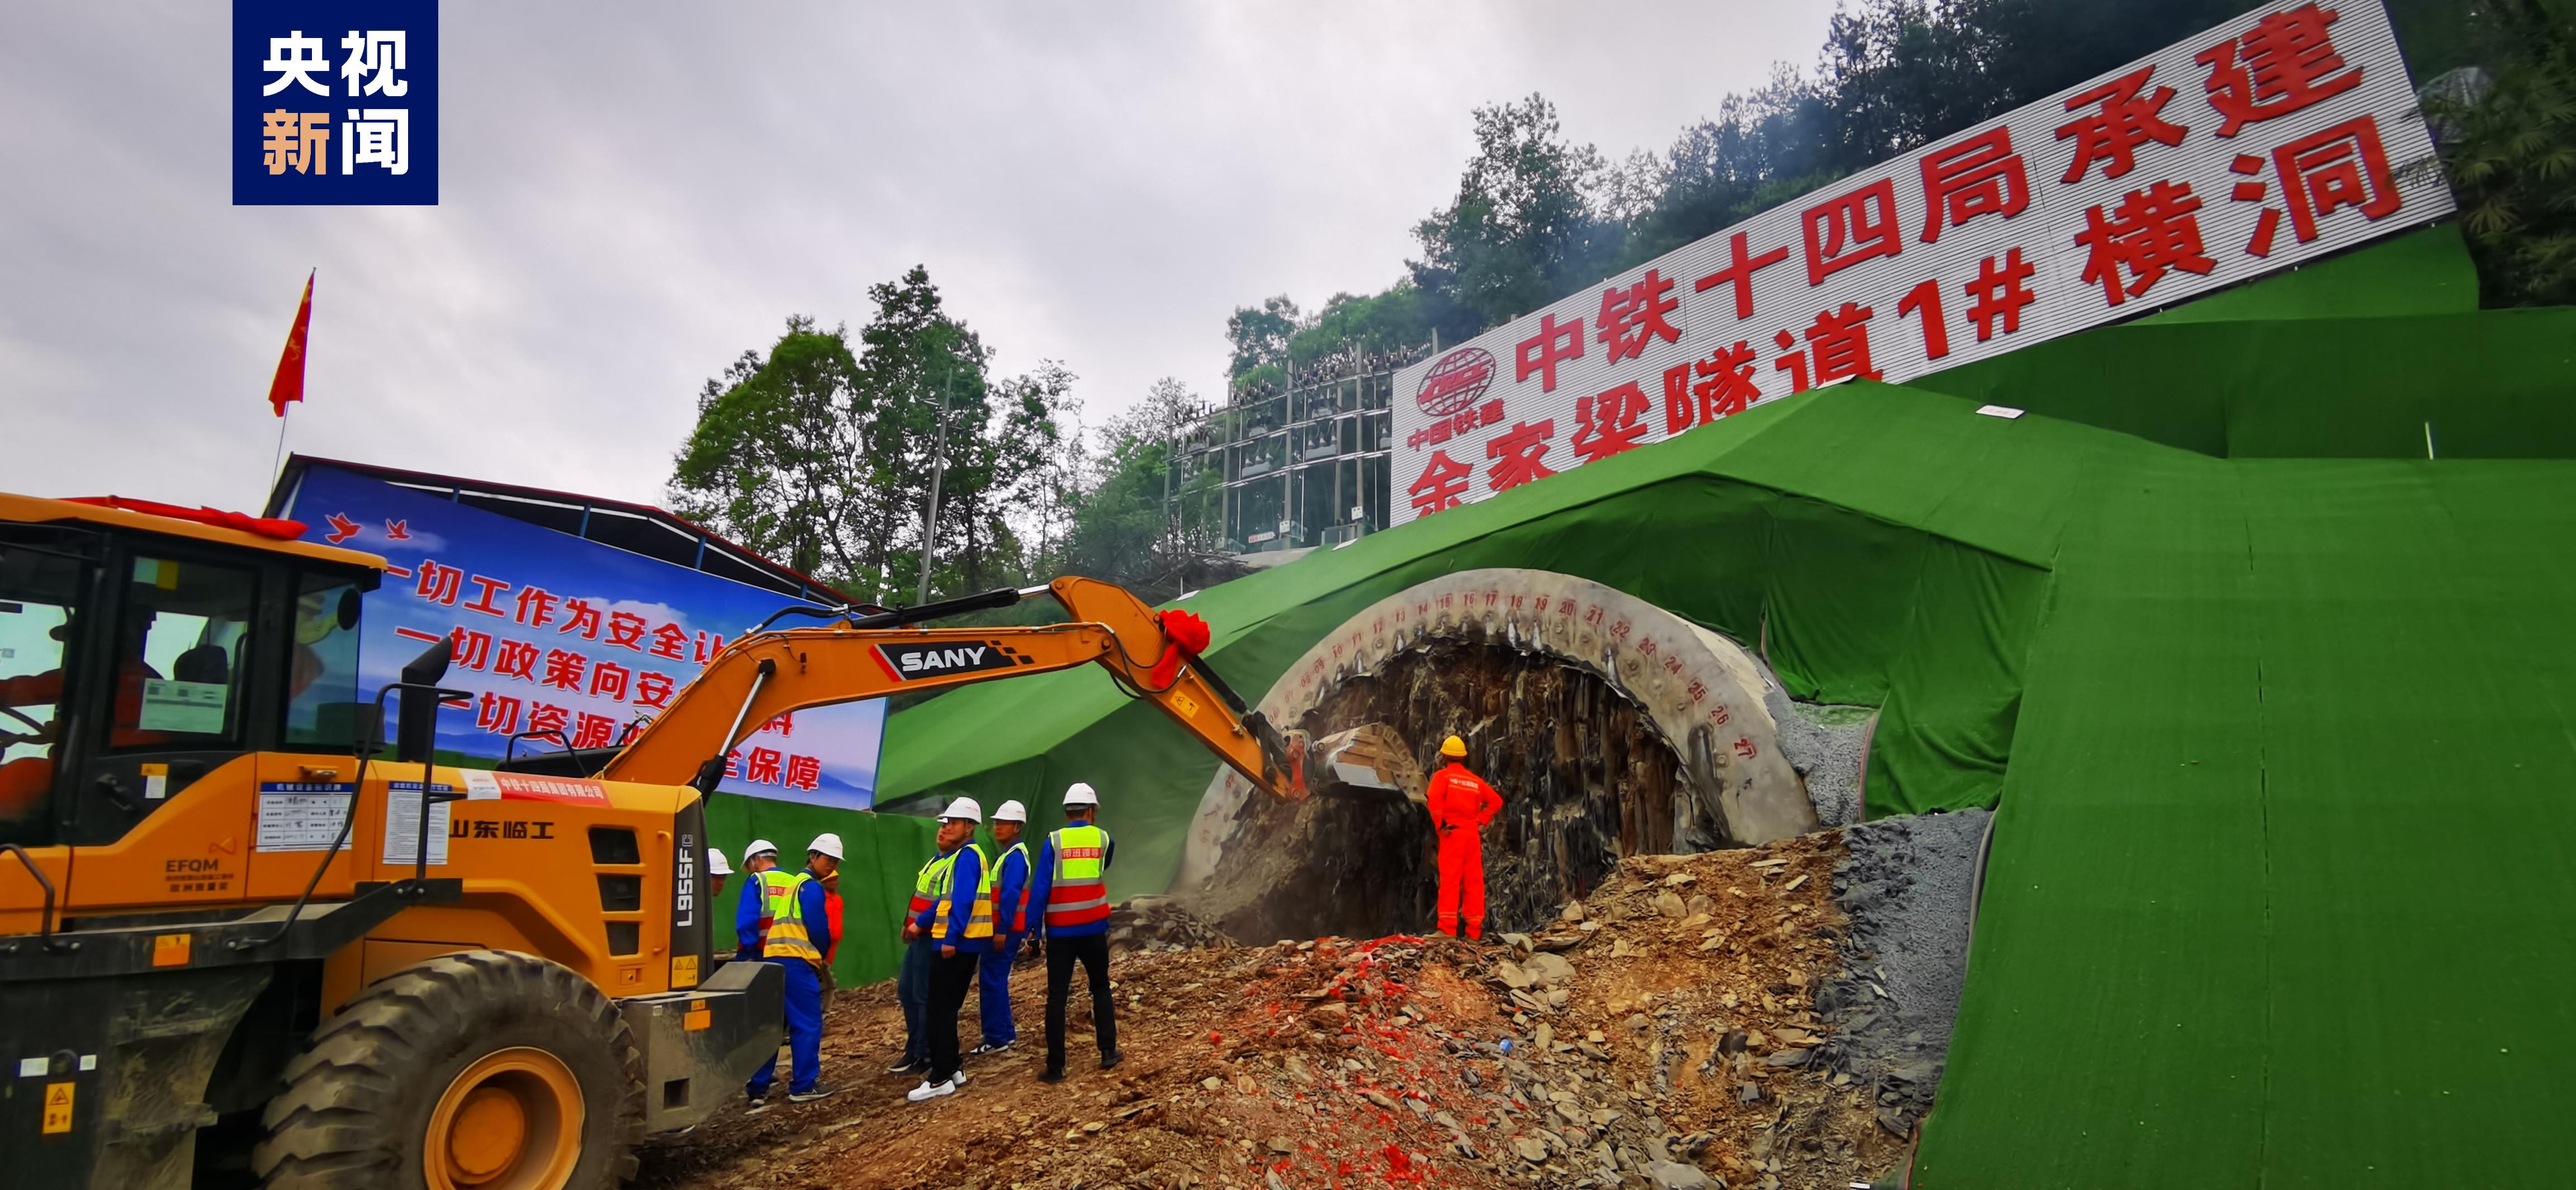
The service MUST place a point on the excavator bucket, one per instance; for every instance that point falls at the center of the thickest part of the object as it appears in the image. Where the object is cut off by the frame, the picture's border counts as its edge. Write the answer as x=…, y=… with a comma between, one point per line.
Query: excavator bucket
x=1369, y=761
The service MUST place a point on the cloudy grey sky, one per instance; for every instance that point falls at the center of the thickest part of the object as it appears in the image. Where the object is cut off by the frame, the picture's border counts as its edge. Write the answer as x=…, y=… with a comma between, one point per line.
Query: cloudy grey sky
x=633, y=193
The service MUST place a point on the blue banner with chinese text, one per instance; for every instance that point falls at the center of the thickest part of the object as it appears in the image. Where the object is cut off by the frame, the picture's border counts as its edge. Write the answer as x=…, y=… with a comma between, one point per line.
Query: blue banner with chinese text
x=568, y=637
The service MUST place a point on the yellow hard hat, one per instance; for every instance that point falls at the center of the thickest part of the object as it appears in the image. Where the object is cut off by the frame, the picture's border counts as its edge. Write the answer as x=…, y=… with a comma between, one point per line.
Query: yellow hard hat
x=1453, y=746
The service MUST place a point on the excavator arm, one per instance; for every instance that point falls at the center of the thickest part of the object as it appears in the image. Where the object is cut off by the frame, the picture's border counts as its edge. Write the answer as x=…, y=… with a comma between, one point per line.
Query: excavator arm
x=770, y=672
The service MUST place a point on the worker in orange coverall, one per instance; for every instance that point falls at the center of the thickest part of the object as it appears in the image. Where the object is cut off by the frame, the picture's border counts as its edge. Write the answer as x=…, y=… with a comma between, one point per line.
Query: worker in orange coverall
x=1461, y=805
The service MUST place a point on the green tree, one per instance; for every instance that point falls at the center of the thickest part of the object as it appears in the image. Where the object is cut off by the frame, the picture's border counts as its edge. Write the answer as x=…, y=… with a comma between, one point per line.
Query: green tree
x=1395, y=320
x=998, y=455
x=1763, y=148
x=820, y=453
x=774, y=460
x=1900, y=73
x=1524, y=227
x=1124, y=530
x=915, y=362
x=2511, y=157
x=1259, y=336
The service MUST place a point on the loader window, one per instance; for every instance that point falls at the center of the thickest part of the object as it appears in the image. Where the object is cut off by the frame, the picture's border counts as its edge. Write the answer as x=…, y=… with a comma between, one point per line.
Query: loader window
x=324, y=706
x=39, y=597
x=180, y=648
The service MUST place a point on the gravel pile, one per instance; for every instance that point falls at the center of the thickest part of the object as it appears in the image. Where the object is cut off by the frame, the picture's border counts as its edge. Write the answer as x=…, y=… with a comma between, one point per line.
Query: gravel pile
x=1145, y=923
x=1827, y=744
x=1906, y=887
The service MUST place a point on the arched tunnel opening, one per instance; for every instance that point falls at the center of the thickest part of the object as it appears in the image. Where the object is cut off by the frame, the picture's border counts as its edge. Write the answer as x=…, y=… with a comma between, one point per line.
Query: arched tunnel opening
x=1585, y=774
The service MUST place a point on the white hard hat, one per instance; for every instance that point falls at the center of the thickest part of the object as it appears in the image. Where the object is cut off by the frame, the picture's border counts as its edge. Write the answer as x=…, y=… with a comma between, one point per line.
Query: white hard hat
x=1011, y=812
x=716, y=865
x=758, y=848
x=1080, y=794
x=827, y=843
x=966, y=808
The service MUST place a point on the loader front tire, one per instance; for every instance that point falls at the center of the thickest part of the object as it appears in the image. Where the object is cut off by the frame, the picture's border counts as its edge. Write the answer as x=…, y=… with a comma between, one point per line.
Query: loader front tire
x=481, y=1070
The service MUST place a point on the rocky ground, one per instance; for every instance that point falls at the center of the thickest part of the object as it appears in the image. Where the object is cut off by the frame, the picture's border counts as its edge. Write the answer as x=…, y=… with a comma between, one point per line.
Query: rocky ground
x=1662, y=1033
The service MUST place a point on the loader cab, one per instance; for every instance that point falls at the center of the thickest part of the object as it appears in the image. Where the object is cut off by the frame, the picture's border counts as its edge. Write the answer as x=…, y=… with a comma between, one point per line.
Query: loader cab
x=133, y=662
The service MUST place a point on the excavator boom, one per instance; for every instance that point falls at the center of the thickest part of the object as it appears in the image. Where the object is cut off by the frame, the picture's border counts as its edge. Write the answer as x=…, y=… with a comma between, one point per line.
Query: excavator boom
x=765, y=674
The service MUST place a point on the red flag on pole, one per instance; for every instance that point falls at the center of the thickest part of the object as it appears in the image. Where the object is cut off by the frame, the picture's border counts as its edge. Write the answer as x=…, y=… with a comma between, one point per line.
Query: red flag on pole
x=289, y=384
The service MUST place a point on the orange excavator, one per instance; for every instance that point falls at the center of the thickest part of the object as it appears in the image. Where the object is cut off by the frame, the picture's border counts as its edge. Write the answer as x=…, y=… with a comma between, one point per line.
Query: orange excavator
x=243, y=941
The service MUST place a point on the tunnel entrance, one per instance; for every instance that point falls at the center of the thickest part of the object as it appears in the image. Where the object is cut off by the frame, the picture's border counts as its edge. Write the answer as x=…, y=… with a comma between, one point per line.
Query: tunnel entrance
x=1611, y=727
x=1586, y=778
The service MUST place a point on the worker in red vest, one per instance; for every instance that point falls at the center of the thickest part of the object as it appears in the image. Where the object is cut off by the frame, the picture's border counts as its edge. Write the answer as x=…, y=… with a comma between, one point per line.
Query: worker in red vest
x=831, y=913
x=1461, y=805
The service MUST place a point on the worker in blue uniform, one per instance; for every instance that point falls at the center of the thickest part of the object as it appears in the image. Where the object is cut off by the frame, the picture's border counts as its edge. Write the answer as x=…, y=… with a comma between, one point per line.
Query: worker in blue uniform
x=763, y=888
x=1010, y=924
x=800, y=934
x=960, y=922
x=1072, y=925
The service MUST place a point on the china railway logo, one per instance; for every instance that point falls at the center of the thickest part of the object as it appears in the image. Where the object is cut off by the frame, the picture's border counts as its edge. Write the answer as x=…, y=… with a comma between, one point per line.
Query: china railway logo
x=938, y=659
x=1456, y=383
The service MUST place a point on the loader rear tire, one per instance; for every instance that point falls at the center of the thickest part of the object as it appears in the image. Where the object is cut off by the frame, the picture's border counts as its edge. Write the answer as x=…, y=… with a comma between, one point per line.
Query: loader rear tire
x=482, y=1070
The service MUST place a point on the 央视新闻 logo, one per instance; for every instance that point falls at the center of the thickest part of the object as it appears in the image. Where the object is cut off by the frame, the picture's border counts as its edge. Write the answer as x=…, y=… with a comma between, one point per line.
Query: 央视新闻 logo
x=335, y=105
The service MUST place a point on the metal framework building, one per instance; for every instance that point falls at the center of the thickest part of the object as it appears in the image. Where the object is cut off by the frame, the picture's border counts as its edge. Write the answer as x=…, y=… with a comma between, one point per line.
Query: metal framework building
x=1300, y=464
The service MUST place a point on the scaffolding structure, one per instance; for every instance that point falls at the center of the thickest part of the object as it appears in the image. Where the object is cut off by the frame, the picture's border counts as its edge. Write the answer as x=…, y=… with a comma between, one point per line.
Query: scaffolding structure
x=1298, y=464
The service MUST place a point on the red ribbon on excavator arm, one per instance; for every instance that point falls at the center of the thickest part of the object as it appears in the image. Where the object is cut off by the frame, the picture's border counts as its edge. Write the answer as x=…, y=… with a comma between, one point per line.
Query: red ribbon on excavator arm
x=1189, y=636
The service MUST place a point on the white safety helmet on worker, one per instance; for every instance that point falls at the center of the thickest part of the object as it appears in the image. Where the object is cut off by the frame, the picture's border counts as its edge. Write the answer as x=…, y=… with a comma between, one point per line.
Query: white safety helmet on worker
x=716, y=865
x=1011, y=812
x=964, y=808
x=1080, y=794
x=758, y=848
x=826, y=843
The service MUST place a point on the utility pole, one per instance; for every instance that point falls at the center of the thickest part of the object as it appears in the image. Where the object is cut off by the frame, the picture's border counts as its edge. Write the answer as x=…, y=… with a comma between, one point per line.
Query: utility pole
x=1171, y=445
x=1288, y=436
x=938, y=466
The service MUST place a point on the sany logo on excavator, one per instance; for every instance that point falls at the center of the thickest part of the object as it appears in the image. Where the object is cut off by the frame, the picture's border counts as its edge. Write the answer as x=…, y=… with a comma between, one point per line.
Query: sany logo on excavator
x=906, y=662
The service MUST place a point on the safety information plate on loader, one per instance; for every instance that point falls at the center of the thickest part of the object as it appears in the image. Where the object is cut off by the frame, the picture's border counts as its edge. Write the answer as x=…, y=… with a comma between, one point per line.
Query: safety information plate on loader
x=402, y=824
x=301, y=815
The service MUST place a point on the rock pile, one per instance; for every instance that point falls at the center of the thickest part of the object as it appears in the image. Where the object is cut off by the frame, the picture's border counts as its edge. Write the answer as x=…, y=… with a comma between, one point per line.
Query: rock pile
x=1151, y=923
x=1660, y=1034
x=1905, y=887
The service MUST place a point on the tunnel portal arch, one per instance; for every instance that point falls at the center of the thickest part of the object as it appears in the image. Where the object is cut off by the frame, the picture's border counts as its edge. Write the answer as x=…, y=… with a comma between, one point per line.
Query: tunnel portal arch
x=1616, y=727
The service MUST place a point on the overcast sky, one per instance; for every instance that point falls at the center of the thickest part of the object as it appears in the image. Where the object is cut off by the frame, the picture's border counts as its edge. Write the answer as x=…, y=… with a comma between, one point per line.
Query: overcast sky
x=632, y=194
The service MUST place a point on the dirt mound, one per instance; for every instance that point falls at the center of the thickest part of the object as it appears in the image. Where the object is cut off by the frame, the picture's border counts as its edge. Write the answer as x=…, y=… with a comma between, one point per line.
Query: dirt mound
x=1660, y=1034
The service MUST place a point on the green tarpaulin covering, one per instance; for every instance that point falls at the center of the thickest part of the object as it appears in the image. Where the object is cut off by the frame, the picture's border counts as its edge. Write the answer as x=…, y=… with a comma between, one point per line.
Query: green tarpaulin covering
x=2281, y=886
x=2280, y=715
x=1728, y=525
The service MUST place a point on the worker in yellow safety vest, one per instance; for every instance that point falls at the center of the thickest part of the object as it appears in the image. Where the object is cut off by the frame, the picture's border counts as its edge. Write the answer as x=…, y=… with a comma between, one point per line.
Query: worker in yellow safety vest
x=763, y=887
x=800, y=934
x=1010, y=924
x=1073, y=887
x=960, y=923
